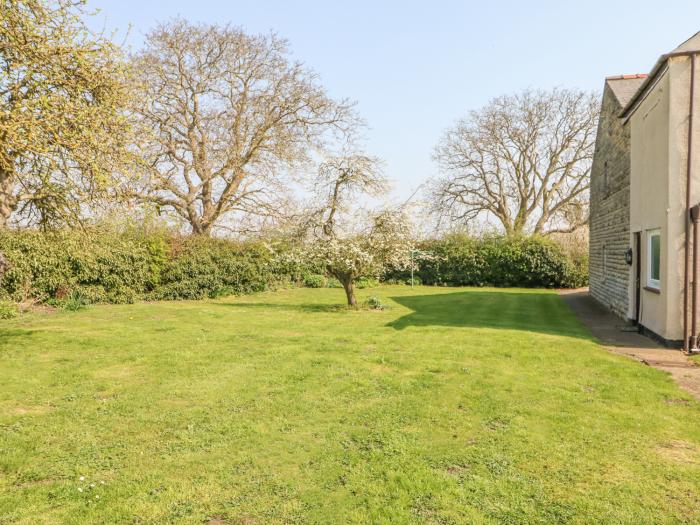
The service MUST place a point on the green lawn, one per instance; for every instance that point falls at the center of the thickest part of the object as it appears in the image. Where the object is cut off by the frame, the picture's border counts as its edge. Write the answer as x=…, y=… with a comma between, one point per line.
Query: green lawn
x=451, y=406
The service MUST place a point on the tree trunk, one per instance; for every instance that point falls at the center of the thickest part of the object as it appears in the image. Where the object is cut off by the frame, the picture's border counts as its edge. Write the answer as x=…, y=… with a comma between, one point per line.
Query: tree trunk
x=349, y=287
x=539, y=226
x=513, y=229
x=7, y=198
x=200, y=229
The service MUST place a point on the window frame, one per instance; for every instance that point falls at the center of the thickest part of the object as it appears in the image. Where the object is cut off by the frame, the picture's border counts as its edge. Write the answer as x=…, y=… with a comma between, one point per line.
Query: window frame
x=652, y=283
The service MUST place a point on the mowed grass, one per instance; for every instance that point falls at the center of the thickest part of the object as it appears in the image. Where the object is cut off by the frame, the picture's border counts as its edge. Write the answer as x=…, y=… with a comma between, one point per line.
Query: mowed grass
x=451, y=406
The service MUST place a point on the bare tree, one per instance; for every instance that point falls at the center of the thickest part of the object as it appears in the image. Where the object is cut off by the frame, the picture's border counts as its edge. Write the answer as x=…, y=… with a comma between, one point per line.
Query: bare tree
x=524, y=160
x=226, y=115
x=63, y=92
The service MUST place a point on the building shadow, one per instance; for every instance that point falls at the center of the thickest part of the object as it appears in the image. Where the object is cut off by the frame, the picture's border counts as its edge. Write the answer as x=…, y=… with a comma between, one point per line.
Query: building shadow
x=526, y=310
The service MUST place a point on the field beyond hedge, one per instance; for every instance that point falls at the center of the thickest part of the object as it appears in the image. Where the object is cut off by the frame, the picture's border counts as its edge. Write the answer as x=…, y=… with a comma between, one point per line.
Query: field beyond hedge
x=451, y=406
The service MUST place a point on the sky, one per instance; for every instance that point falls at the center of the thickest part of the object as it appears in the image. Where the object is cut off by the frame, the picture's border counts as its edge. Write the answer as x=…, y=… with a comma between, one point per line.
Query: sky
x=414, y=68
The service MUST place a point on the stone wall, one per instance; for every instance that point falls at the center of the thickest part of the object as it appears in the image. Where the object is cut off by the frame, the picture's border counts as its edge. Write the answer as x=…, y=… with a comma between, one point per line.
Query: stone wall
x=609, y=274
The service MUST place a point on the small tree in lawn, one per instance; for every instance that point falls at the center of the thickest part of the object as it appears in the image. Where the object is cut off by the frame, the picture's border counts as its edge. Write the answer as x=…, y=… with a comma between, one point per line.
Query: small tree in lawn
x=352, y=246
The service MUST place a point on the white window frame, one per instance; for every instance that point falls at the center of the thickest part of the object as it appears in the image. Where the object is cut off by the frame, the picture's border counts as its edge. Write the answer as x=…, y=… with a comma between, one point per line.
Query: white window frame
x=651, y=282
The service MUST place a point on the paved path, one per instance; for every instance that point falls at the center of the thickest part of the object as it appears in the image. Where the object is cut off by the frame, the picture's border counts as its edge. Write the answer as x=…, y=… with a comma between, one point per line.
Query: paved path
x=615, y=334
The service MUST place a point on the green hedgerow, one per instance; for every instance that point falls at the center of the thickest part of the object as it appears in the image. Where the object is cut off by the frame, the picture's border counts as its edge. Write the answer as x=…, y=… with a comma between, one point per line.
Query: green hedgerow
x=102, y=267
x=534, y=262
x=96, y=266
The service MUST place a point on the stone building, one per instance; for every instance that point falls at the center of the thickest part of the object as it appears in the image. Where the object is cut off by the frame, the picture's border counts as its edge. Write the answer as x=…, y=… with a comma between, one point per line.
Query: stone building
x=639, y=211
x=610, y=197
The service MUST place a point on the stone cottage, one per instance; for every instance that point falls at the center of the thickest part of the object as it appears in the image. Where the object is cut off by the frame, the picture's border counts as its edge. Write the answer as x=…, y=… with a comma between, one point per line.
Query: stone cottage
x=645, y=182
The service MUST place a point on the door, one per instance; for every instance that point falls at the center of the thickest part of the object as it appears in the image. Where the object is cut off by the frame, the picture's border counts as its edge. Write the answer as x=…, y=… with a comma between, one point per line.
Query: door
x=637, y=275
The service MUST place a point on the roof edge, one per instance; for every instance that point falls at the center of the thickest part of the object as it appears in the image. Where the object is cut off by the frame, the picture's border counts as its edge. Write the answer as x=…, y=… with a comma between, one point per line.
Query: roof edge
x=627, y=77
x=651, y=77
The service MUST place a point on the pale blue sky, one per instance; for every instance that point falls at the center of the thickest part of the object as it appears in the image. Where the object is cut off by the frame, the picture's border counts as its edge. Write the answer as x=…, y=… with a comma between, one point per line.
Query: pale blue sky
x=415, y=67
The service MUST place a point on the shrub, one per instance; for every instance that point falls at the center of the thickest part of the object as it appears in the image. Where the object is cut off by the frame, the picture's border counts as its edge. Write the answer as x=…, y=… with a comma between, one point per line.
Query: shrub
x=575, y=246
x=106, y=267
x=315, y=281
x=202, y=267
x=102, y=267
x=333, y=283
x=76, y=301
x=374, y=303
x=8, y=310
x=416, y=281
x=403, y=280
x=459, y=260
x=367, y=282
x=158, y=252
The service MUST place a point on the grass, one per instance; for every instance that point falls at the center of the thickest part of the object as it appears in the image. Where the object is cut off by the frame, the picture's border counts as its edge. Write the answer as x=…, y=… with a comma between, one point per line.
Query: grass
x=451, y=406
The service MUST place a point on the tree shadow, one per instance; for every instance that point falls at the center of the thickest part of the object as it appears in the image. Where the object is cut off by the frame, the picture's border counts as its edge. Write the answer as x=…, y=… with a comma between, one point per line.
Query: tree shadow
x=530, y=311
x=307, y=307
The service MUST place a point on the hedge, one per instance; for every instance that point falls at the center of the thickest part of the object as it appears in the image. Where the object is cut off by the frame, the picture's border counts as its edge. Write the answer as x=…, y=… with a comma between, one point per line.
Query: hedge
x=76, y=267
x=116, y=268
x=534, y=262
x=201, y=267
x=53, y=266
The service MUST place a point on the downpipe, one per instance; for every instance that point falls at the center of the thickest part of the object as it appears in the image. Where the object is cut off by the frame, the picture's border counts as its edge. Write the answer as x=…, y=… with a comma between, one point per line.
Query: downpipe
x=693, y=340
x=690, y=337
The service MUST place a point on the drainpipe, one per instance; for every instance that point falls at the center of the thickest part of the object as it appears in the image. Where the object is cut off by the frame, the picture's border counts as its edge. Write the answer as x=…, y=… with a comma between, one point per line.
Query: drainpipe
x=633, y=104
x=693, y=341
x=687, y=348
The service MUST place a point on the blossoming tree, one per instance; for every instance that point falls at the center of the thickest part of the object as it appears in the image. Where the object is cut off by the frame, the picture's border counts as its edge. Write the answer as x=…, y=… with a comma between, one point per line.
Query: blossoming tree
x=352, y=245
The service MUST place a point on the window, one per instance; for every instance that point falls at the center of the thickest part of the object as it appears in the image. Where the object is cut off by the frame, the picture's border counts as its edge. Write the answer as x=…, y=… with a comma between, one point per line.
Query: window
x=654, y=259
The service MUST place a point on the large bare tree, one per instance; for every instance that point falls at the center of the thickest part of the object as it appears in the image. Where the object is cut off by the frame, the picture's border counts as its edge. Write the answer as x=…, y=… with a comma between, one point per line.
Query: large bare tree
x=225, y=115
x=523, y=160
x=63, y=92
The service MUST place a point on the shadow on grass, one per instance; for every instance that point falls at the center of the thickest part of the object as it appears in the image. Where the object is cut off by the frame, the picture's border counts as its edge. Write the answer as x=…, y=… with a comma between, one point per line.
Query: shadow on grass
x=530, y=311
x=9, y=336
x=307, y=308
